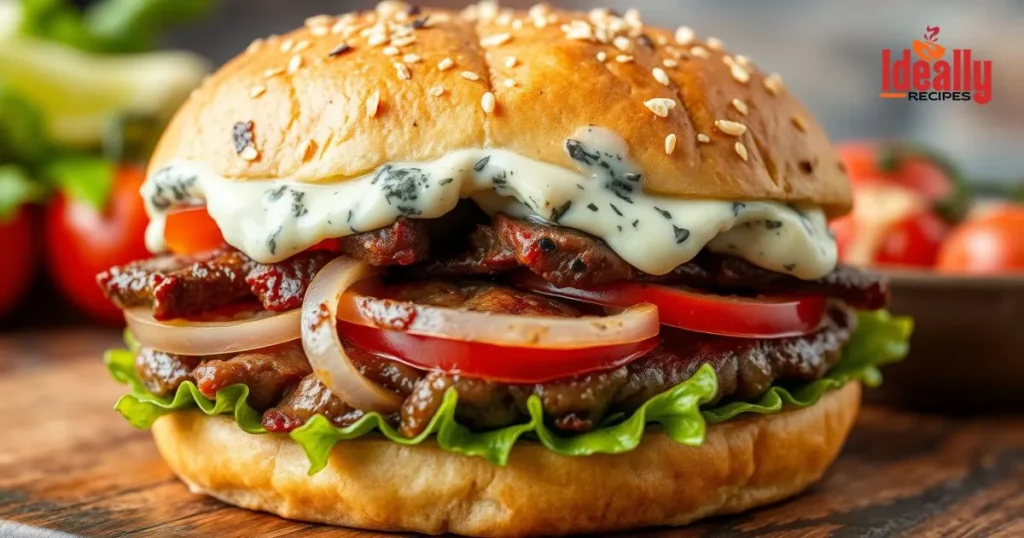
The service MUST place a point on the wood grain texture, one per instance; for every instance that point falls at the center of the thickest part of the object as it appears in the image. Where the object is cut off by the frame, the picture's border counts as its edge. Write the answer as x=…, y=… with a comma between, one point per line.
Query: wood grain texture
x=69, y=463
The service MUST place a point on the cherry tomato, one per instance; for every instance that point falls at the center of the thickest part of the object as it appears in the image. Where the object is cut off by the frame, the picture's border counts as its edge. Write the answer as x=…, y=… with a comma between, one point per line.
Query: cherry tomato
x=19, y=259
x=926, y=173
x=892, y=163
x=81, y=242
x=890, y=224
x=192, y=230
x=699, y=312
x=506, y=364
x=926, y=178
x=913, y=241
x=990, y=243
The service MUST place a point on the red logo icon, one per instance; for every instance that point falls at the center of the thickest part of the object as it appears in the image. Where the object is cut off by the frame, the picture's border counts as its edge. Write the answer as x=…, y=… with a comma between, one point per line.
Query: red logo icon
x=929, y=75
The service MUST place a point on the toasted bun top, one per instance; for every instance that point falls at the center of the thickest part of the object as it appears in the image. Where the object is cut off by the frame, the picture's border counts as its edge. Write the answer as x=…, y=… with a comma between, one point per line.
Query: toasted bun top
x=344, y=95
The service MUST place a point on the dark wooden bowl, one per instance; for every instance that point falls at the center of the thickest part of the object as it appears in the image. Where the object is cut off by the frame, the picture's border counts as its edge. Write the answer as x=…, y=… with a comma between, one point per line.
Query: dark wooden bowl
x=967, y=351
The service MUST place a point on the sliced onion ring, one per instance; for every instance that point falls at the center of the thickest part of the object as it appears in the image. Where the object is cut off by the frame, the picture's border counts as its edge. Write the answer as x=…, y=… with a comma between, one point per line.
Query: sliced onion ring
x=204, y=338
x=323, y=346
x=634, y=324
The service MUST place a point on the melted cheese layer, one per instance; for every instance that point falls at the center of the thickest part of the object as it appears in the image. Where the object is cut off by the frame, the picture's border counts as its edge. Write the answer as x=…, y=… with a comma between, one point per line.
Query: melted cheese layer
x=273, y=219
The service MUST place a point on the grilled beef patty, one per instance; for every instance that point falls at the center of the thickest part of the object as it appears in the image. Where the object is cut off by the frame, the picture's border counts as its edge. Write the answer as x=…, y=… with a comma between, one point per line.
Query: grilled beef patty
x=183, y=286
x=570, y=258
x=176, y=286
x=281, y=382
x=282, y=385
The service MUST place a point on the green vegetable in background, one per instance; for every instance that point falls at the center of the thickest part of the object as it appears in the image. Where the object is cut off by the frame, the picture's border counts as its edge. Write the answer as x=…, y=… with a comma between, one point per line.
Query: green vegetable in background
x=32, y=164
x=83, y=177
x=16, y=188
x=23, y=147
x=110, y=26
x=131, y=137
x=879, y=339
x=22, y=128
x=59, y=105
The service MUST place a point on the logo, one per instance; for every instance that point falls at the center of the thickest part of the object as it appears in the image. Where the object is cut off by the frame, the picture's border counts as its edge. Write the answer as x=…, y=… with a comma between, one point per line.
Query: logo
x=927, y=73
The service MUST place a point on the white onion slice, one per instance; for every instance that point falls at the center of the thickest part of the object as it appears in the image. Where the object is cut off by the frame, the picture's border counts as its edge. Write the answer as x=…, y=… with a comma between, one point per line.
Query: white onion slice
x=634, y=324
x=323, y=347
x=204, y=338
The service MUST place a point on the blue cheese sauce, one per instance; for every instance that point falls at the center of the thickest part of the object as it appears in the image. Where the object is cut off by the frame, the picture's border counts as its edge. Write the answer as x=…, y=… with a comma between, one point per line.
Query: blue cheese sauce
x=270, y=220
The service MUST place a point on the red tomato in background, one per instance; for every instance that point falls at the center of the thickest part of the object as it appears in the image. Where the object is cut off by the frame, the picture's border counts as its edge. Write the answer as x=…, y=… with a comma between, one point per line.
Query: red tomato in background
x=18, y=268
x=890, y=225
x=990, y=243
x=913, y=241
x=926, y=178
x=81, y=242
x=843, y=230
x=860, y=159
x=868, y=161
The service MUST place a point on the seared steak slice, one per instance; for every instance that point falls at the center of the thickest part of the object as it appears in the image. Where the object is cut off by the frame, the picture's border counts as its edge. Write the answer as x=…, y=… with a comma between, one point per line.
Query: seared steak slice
x=268, y=373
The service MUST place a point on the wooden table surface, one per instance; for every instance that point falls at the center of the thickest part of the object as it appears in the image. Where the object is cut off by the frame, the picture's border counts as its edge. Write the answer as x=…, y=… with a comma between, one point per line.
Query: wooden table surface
x=69, y=463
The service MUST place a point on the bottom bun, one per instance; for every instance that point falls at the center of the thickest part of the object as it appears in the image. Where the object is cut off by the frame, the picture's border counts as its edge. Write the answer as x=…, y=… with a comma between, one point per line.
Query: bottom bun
x=372, y=483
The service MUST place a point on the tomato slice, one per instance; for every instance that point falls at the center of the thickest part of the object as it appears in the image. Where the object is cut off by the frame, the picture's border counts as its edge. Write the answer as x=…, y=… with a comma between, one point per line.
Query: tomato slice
x=739, y=317
x=192, y=230
x=507, y=364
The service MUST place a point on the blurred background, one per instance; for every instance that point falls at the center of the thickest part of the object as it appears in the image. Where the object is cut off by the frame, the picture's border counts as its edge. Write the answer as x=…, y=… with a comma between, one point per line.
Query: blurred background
x=85, y=87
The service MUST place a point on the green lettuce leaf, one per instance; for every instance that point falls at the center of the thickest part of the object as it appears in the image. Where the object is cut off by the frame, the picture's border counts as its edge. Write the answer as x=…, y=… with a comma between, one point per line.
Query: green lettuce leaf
x=880, y=339
x=141, y=408
x=677, y=410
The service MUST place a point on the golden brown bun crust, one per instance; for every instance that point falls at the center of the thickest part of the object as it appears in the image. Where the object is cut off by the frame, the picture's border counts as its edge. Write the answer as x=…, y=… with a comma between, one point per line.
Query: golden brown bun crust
x=375, y=484
x=560, y=85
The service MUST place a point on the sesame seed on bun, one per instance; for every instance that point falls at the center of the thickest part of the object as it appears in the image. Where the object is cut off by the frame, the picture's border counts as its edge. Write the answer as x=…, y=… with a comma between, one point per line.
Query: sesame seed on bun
x=399, y=83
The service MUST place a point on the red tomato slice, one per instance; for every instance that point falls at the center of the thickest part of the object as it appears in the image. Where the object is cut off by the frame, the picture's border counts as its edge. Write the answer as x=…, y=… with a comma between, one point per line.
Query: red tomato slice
x=487, y=361
x=704, y=313
x=191, y=231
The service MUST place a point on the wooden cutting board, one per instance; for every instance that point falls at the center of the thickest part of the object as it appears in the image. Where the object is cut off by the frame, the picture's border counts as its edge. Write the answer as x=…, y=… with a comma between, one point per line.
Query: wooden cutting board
x=69, y=463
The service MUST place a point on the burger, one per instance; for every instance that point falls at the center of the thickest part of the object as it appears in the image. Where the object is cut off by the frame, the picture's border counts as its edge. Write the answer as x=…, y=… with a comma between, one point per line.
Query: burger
x=495, y=273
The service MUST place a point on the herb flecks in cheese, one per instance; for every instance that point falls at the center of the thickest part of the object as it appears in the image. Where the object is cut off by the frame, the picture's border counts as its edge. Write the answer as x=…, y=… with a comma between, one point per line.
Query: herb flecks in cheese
x=273, y=219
